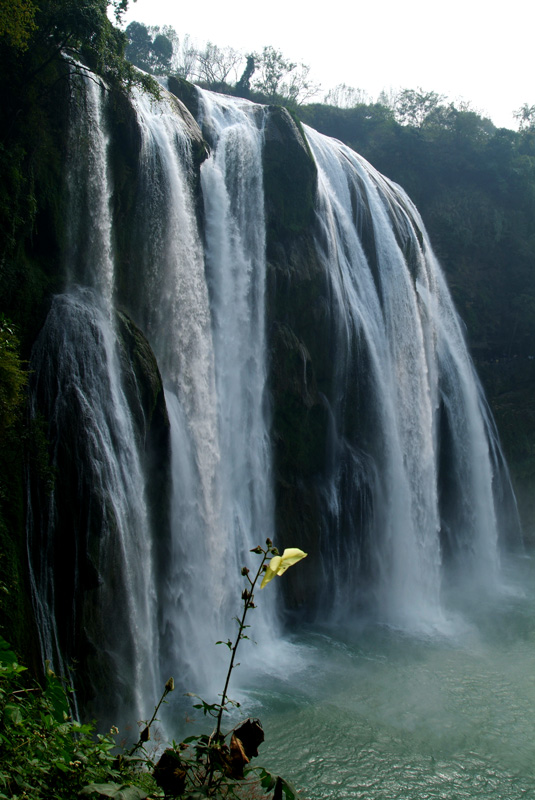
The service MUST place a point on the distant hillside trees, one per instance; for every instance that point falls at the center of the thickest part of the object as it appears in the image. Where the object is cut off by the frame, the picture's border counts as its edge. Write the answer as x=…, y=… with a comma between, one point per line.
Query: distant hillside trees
x=277, y=77
x=526, y=117
x=344, y=96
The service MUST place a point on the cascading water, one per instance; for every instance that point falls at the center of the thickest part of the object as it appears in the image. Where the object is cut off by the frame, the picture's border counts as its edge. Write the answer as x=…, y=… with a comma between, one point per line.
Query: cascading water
x=393, y=311
x=236, y=273
x=89, y=245
x=172, y=306
x=203, y=313
x=92, y=545
x=157, y=503
x=102, y=494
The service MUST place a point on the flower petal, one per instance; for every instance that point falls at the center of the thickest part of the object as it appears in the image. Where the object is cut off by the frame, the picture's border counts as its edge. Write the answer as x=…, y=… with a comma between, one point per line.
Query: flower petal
x=290, y=557
x=268, y=576
x=274, y=563
x=279, y=564
x=271, y=571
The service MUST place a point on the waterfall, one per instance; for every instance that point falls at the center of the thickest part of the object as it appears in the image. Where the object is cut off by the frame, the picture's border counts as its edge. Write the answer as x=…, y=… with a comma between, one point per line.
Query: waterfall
x=94, y=540
x=78, y=380
x=154, y=373
x=89, y=245
x=236, y=269
x=172, y=307
x=203, y=312
x=394, y=312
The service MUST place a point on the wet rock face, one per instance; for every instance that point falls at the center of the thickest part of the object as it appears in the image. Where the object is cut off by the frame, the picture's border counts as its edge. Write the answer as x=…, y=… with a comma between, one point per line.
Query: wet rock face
x=297, y=328
x=187, y=106
x=289, y=177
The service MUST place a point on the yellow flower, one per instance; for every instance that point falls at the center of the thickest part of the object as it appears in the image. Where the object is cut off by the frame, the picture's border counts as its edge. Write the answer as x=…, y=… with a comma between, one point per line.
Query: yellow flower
x=279, y=564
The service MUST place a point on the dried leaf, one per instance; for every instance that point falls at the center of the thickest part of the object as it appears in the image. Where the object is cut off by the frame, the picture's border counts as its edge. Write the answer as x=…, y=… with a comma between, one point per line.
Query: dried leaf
x=251, y=735
x=238, y=759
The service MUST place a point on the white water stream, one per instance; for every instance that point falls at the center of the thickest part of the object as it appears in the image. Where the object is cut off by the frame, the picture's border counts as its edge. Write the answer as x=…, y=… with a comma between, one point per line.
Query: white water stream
x=375, y=675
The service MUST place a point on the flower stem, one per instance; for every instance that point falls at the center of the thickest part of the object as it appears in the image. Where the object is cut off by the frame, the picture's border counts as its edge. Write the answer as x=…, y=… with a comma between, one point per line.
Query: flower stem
x=145, y=732
x=248, y=602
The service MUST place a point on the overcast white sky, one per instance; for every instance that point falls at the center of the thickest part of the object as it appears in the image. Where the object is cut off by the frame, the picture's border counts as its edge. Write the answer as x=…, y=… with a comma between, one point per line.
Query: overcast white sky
x=469, y=49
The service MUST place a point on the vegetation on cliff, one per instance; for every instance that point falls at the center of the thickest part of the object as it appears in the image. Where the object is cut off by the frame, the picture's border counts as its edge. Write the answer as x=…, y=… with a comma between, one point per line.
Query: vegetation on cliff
x=41, y=43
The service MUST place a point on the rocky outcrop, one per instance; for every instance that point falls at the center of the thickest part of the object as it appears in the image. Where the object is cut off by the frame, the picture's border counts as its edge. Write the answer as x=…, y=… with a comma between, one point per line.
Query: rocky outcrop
x=297, y=318
x=289, y=177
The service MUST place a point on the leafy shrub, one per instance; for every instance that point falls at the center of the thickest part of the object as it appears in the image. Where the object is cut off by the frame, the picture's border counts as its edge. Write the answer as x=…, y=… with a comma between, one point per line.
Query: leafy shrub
x=47, y=755
x=44, y=753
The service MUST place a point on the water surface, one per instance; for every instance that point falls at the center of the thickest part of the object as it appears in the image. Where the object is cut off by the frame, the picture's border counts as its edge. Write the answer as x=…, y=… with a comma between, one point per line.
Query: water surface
x=379, y=713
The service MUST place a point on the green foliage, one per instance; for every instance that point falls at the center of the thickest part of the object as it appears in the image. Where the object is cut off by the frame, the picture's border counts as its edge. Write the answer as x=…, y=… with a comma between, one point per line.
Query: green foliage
x=65, y=36
x=526, y=117
x=344, y=96
x=46, y=755
x=13, y=435
x=17, y=22
x=44, y=752
x=266, y=77
x=415, y=106
x=281, y=81
x=272, y=67
x=119, y=792
x=82, y=28
x=13, y=376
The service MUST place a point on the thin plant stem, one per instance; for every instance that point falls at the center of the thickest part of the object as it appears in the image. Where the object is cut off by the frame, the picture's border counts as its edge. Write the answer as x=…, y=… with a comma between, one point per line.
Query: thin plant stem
x=141, y=741
x=248, y=603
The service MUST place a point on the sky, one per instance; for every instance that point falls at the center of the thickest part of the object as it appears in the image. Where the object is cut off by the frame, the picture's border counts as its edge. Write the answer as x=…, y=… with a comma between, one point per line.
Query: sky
x=466, y=49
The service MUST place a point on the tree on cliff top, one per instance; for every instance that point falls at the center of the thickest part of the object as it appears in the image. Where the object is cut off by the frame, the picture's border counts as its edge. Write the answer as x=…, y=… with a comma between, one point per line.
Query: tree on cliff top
x=280, y=80
x=148, y=48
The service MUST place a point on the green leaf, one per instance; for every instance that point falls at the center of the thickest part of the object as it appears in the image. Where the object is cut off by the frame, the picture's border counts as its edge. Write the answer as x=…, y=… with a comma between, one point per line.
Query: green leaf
x=131, y=793
x=13, y=713
x=104, y=789
x=267, y=780
x=55, y=694
x=7, y=656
